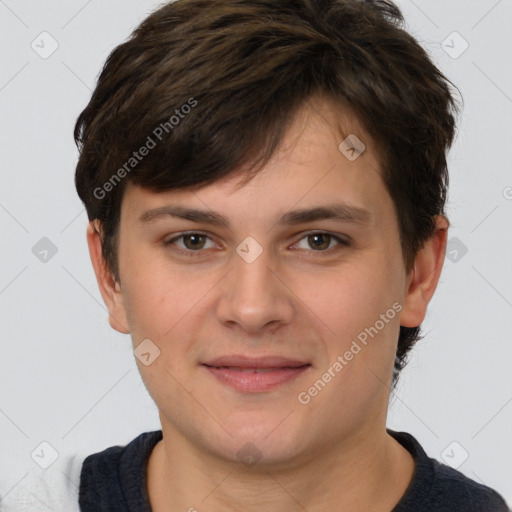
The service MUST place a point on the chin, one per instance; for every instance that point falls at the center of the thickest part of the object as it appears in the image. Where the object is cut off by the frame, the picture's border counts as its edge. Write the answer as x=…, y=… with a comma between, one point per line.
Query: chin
x=261, y=443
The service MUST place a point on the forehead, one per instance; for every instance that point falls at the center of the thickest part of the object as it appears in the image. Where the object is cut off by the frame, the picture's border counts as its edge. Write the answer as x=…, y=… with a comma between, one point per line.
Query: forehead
x=325, y=158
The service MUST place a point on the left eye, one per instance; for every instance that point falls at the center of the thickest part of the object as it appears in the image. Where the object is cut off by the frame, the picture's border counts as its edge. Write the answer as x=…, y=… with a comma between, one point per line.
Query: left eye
x=321, y=241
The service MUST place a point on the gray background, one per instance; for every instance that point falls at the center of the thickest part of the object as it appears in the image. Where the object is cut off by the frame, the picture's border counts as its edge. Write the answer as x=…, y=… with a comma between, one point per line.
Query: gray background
x=69, y=380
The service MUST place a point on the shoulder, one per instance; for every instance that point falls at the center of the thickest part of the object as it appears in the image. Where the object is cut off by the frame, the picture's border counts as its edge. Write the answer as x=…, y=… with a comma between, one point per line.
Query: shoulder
x=454, y=487
x=114, y=478
x=436, y=487
x=113, y=460
x=54, y=488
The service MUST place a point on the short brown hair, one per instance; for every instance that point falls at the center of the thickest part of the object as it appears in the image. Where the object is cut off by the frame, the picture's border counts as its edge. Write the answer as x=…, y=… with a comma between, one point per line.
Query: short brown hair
x=245, y=67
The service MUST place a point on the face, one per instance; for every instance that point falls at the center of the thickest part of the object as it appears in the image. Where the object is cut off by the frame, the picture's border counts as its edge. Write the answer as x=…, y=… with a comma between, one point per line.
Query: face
x=272, y=332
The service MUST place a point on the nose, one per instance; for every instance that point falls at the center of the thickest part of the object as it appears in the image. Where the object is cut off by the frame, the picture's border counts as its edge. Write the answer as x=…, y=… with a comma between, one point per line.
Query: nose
x=254, y=295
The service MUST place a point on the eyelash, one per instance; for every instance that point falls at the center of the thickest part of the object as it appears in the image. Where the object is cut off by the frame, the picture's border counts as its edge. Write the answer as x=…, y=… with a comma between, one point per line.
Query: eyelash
x=190, y=253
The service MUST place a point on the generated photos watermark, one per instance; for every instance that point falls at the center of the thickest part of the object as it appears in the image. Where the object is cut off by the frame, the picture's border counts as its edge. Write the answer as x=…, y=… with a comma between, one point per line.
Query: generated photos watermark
x=304, y=397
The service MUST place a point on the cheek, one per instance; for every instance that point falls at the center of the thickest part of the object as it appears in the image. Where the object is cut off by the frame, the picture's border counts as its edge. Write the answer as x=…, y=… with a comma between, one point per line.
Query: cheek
x=350, y=298
x=358, y=308
x=155, y=301
x=160, y=307
x=169, y=307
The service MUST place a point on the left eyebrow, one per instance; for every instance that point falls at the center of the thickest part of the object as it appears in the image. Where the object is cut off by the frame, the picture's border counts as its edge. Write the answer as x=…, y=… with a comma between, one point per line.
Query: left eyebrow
x=336, y=211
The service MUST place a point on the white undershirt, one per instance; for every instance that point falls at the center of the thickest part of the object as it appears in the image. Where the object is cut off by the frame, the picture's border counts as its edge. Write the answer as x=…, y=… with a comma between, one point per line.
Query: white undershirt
x=43, y=490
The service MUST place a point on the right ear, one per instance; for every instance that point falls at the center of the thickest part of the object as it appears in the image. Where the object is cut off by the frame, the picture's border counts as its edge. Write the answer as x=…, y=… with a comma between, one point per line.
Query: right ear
x=109, y=287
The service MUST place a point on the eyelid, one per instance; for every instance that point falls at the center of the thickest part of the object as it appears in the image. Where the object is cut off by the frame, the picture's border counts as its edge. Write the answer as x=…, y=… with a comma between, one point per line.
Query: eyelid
x=337, y=236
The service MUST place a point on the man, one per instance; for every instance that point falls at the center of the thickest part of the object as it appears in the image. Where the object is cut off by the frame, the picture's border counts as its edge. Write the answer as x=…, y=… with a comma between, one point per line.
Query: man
x=265, y=183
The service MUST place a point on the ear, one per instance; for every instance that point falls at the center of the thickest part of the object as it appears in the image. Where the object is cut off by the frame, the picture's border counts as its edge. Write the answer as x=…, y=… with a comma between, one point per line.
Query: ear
x=422, y=280
x=109, y=287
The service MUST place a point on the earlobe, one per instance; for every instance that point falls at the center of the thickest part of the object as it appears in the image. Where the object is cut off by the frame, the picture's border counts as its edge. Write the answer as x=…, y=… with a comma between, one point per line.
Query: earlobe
x=109, y=287
x=425, y=275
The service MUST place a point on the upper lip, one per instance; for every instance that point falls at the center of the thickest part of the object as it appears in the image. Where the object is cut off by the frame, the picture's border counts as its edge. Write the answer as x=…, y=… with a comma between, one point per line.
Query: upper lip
x=241, y=361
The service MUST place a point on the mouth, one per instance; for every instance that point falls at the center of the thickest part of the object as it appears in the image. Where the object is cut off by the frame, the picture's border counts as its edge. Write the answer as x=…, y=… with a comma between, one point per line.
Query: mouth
x=255, y=375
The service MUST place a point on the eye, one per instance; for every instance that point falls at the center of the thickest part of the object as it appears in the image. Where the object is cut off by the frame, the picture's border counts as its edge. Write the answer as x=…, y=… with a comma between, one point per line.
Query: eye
x=190, y=242
x=322, y=242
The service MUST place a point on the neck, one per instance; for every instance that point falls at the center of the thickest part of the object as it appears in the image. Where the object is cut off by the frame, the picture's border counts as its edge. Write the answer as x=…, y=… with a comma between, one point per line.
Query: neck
x=356, y=475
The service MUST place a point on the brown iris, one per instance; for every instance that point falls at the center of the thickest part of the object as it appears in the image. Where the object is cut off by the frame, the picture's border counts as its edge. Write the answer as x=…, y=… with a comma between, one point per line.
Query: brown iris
x=315, y=240
x=197, y=241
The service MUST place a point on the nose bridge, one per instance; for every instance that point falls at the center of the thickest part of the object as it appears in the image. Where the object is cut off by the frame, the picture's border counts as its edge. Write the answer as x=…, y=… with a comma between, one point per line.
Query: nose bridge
x=253, y=296
x=252, y=274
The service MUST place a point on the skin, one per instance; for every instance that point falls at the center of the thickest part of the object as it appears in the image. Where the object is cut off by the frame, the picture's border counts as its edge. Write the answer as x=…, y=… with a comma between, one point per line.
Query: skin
x=293, y=300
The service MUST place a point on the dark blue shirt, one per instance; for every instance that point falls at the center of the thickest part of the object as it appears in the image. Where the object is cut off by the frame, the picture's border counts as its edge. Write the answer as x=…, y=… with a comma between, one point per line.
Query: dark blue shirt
x=114, y=480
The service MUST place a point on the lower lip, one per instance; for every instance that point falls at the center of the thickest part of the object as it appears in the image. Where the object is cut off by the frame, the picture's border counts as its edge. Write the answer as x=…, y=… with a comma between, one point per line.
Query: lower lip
x=252, y=382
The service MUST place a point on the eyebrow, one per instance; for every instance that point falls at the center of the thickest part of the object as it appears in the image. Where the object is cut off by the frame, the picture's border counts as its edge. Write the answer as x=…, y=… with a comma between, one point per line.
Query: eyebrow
x=336, y=211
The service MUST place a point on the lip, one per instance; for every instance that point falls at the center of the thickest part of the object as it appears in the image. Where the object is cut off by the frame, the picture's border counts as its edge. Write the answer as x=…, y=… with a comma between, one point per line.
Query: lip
x=255, y=374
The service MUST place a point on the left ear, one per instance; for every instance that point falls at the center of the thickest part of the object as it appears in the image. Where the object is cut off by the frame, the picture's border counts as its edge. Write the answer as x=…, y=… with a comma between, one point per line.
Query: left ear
x=422, y=280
